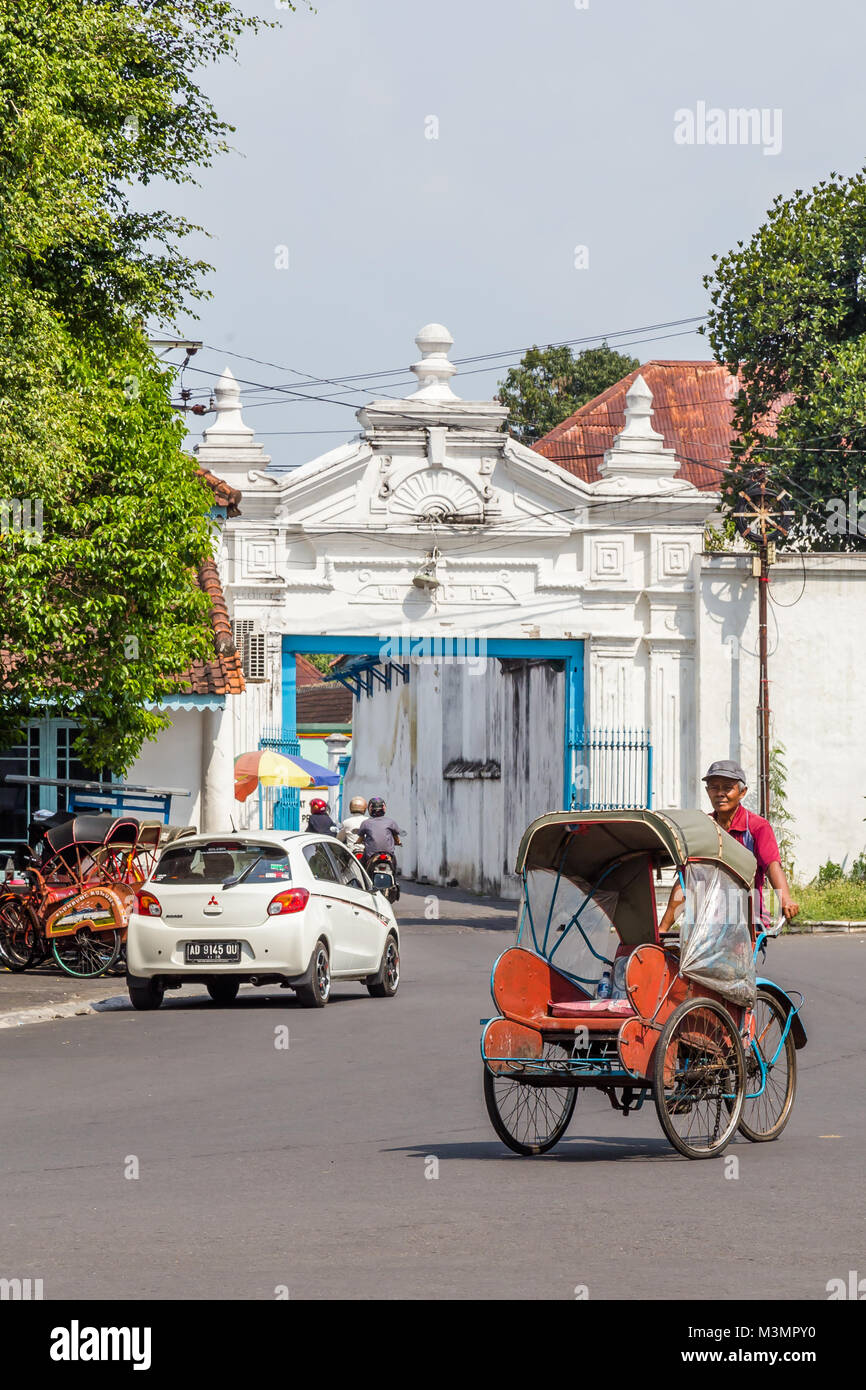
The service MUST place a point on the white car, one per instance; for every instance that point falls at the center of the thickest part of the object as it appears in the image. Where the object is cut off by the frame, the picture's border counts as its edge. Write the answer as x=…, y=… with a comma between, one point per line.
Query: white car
x=264, y=907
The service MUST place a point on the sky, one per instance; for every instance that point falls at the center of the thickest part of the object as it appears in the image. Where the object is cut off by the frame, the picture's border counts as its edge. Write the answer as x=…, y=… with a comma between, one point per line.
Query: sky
x=523, y=171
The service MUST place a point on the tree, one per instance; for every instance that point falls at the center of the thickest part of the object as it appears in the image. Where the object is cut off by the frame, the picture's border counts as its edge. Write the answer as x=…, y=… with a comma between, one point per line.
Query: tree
x=99, y=608
x=789, y=317
x=551, y=383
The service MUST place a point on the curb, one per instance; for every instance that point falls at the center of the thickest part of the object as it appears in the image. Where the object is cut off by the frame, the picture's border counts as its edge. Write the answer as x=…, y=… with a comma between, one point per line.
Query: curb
x=820, y=928
x=44, y=1013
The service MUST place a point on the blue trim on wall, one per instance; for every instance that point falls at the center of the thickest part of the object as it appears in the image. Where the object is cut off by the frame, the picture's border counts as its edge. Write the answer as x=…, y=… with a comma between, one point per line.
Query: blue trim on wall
x=573, y=718
x=494, y=646
x=571, y=650
x=289, y=687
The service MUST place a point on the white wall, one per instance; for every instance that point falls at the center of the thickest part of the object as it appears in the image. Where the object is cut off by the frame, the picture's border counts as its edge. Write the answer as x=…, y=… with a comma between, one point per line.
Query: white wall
x=174, y=759
x=463, y=831
x=817, y=690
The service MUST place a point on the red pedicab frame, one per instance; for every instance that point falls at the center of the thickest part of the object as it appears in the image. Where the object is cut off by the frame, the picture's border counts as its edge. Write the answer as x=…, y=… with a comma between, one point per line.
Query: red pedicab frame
x=672, y=1036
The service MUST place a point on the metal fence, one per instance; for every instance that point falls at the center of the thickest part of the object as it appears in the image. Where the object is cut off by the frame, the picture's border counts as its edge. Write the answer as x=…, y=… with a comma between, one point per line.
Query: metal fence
x=612, y=770
x=279, y=807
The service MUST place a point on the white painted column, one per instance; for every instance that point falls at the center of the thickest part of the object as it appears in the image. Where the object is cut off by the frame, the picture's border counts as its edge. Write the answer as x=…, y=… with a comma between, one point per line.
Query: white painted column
x=336, y=745
x=217, y=773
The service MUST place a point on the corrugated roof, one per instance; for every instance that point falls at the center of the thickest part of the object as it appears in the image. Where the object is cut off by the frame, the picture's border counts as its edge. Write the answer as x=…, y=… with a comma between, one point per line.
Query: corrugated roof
x=692, y=408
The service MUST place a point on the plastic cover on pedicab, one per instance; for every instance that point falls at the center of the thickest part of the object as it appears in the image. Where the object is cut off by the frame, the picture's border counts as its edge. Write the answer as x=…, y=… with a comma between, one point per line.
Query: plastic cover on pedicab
x=568, y=924
x=715, y=941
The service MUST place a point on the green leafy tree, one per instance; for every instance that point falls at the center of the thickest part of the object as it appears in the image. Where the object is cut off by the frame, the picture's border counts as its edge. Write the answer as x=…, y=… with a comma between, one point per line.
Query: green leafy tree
x=789, y=313
x=551, y=383
x=99, y=611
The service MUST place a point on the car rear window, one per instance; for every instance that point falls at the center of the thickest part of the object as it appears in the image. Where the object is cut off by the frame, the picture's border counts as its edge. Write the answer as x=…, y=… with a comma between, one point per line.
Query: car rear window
x=218, y=860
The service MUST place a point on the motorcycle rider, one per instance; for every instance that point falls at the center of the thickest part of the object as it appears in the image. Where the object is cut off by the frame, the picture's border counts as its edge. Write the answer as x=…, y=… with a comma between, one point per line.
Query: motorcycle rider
x=349, y=827
x=319, y=821
x=379, y=833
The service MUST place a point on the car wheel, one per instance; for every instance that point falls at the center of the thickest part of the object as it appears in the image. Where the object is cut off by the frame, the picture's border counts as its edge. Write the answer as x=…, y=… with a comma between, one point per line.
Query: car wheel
x=223, y=991
x=144, y=994
x=314, y=991
x=383, y=985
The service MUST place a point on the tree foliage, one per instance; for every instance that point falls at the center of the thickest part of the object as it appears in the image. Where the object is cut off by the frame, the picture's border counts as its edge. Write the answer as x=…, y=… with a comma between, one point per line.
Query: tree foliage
x=100, y=613
x=550, y=383
x=789, y=314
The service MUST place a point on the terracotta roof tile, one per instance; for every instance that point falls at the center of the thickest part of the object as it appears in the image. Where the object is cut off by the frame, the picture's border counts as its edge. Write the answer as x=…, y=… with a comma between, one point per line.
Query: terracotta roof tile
x=692, y=408
x=323, y=704
x=306, y=673
x=224, y=674
x=224, y=494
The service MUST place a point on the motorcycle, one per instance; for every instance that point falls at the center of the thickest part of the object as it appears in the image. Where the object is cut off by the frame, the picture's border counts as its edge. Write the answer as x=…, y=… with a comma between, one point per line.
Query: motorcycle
x=382, y=869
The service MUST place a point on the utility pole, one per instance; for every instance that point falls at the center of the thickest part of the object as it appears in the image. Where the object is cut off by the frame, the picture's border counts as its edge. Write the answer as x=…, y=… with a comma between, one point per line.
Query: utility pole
x=761, y=569
x=765, y=519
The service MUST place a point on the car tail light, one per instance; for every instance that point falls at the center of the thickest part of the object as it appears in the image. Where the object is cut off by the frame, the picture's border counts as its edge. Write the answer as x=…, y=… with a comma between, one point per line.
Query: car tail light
x=290, y=900
x=148, y=905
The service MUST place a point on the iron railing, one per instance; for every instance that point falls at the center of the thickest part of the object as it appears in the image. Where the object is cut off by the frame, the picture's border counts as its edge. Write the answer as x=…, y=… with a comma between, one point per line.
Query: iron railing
x=612, y=769
x=279, y=807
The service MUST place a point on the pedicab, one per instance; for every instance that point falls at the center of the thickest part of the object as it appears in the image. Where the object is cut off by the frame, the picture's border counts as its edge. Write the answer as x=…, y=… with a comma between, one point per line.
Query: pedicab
x=76, y=893
x=592, y=995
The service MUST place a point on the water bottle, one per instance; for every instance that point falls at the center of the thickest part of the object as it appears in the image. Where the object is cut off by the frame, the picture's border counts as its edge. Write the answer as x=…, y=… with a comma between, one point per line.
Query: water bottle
x=604, y=986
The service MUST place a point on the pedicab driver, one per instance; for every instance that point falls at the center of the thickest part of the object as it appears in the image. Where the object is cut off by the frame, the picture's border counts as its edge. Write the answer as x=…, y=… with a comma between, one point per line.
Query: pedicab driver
x=726, y=787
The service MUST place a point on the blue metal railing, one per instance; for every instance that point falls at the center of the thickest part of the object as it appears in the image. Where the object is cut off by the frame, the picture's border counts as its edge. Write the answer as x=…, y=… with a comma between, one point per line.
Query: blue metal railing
x=279, y=807
x=612, y=769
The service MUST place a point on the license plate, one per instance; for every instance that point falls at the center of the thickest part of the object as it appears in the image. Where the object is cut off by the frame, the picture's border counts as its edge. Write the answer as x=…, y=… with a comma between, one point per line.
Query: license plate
x=212, y=952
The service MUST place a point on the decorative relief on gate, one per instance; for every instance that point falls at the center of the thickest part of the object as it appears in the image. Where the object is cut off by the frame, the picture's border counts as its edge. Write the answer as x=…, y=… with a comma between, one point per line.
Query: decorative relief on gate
x=608, y=560
x=440, y=493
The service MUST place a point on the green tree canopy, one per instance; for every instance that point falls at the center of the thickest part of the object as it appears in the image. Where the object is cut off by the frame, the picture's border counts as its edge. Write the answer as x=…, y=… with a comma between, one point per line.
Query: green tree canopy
x=550, y=383
x=100, y=614
x=789, y=313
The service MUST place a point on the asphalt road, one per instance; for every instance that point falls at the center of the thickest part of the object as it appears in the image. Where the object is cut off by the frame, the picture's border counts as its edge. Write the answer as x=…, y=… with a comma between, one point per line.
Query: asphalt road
x=307, y=1167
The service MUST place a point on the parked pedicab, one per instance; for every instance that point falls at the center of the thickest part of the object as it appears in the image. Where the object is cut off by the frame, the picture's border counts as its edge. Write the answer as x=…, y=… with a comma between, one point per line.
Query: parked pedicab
x=592, y=996
x=73, y=898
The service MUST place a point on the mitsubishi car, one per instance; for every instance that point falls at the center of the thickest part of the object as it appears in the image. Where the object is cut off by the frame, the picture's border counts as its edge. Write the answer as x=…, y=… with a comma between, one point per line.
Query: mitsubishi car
x=263, y=907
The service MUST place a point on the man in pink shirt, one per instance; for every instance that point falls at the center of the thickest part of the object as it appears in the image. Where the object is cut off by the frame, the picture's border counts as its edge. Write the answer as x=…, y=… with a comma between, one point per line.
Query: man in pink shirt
x=726, y=787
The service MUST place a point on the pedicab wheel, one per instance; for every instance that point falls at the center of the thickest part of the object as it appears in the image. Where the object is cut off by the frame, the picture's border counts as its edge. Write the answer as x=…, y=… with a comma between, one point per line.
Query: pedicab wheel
x=383, y=985
x=86, y=954
x=19, y=936
x=529, y=1119
x=764, y=1117
x=699, y=1078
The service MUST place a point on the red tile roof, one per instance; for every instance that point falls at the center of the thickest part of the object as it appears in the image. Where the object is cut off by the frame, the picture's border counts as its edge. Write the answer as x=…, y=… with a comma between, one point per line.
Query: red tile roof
x=324, y=704
x=691, y=408
x=224, y=494
x=224, y=674
x=306, y=673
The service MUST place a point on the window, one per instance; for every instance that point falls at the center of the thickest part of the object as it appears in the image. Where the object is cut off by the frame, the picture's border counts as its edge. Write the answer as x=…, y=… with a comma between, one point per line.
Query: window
x=348, y=868
x=18, y=803
x=218, y=860
x=320, y=865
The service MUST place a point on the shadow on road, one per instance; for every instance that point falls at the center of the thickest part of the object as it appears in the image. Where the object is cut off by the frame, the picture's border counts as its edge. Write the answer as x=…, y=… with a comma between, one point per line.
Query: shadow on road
x=573, y=1150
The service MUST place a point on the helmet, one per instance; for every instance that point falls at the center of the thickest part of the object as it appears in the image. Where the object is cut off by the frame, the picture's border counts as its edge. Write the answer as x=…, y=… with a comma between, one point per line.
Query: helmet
x=317, y=804
x=376, y=806
x=357, y=805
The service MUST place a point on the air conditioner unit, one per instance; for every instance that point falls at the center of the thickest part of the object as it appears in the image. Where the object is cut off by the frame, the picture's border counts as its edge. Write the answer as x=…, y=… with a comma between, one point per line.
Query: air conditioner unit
x=252, y=645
